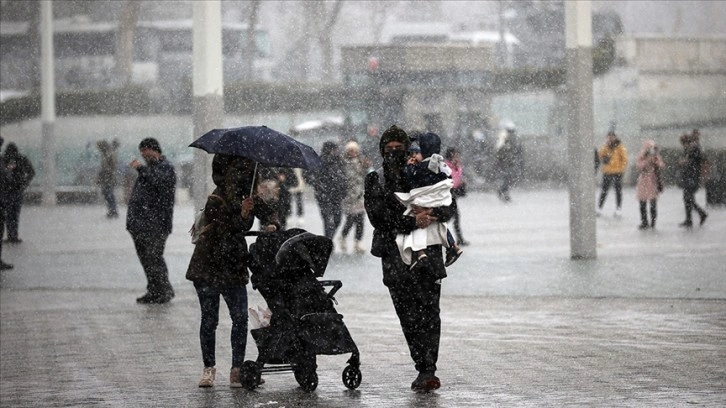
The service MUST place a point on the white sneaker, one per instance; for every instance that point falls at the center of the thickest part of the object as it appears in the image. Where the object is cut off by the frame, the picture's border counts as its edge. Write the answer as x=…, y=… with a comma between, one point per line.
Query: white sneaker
x=343, y=245
x=359, y=248
x=208, y=377
x=598, y=212
x=618, y=213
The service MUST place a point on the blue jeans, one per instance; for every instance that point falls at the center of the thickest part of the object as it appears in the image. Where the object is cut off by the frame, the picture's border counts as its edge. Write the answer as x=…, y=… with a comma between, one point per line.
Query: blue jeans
x=236, y=299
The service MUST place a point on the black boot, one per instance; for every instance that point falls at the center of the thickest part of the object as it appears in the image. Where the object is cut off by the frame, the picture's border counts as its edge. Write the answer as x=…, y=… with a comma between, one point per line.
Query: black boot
x=703, y=215
x=643, y=216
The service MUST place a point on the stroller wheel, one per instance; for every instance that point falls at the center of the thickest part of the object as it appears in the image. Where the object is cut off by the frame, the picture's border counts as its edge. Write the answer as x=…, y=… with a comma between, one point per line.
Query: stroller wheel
x=308, y=380
x=250, y=374
x=352, y=377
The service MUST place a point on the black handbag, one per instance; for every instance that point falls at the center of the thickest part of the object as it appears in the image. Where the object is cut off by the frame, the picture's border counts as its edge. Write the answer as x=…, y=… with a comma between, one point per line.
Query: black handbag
x=659, y=179
x=459, y=191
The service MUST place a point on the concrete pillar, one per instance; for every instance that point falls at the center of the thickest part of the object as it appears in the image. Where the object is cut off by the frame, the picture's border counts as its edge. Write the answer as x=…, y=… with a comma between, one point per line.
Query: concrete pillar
x=580, y=143
x=208, y=83
x=47, y=103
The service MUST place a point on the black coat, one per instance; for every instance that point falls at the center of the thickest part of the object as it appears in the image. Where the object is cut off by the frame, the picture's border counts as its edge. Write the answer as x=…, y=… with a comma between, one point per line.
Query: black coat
x=329, y=180
x=18, y=178
x=220, y=257
x=385, y=213
x=151, y=206
x=691, y=171
x=4, y=183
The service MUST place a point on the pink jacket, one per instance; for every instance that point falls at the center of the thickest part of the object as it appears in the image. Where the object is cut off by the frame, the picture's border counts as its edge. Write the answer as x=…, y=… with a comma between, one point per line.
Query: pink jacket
x=647, y=187
x=457, y=173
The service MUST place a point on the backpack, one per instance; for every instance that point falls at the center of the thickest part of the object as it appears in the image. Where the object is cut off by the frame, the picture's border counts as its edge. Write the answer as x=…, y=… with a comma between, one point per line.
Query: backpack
x=200, y=221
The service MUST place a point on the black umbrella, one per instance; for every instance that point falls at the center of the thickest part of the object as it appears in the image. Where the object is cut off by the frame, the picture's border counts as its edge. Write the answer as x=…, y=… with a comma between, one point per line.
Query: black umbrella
x=261, y=144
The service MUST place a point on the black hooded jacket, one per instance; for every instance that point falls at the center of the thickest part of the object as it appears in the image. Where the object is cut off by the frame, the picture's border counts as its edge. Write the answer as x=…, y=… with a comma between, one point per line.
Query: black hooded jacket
x=19, y=170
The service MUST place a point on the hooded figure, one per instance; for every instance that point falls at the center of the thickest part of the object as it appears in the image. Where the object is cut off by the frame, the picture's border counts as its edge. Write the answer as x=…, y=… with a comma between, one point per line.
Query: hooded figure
x=432, y=169
x=415, y=294
x=218, y=266
x=330, y=187
x=219, y=257
x=19, y=174
x=4, y=181
x=650, y=166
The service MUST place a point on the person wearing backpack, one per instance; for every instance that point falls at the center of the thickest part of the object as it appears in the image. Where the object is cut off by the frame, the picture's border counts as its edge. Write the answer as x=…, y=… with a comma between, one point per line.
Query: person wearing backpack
x=218, y=266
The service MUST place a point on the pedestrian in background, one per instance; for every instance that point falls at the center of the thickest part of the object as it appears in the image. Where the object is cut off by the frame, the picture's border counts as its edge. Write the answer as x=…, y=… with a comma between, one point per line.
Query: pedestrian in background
x=218, y=266
x=297, y=192
x=650, y=166
x=329, y=184
x=20, y=173
x=691, y=163
x=275, y=184
x=107, y=175
x=415, y=294
x=149, y=218
x=428, y=178
x=356, y=167
x=508, y=158
x=614, y=159
x=4, y=182
x=453, y=160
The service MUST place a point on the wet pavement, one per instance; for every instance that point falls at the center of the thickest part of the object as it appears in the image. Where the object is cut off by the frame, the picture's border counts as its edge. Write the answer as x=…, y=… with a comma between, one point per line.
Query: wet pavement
x=523, y=325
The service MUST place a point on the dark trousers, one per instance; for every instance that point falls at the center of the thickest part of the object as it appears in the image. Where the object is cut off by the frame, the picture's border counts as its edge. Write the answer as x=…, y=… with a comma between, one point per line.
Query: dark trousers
x=417, y=306
x=457, y=226
x=350, y=221
x=617, y=181
x=150, y=250
x=506, y=182
x=236, y=300
x=110, y=198
x=332, y=216
x=644, y=213
x=689, y=199
x=299, y=204
x=2, y=228
x=12, y=215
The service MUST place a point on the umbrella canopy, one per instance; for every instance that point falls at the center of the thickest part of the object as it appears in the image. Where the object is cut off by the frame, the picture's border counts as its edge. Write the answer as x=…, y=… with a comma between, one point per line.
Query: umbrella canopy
x=261, y=144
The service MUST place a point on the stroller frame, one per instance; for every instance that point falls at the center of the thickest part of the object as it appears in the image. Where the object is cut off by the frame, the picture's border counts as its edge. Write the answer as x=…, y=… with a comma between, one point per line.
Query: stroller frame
x=304, y=321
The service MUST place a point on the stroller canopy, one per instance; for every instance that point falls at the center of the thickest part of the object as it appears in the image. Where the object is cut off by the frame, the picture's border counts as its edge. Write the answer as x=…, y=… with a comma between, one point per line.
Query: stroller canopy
x=307, y=249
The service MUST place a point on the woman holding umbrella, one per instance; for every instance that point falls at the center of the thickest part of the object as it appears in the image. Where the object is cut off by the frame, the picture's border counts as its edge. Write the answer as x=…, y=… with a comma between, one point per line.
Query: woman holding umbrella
x=218, y=266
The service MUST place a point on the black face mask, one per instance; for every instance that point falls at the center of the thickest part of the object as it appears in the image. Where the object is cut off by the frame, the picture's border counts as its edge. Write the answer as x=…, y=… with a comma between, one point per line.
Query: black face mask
x=394, y=159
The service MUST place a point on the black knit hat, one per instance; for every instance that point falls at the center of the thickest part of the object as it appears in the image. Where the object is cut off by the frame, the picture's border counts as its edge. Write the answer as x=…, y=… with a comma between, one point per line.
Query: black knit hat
x=394, y=134
x=150, y=143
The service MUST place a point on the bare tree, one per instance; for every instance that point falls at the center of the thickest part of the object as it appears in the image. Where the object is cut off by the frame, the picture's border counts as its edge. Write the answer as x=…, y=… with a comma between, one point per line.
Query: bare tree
x=251, y=46
x=379, y=14
x=321, y=20
x=125, y=40
x=325, y=38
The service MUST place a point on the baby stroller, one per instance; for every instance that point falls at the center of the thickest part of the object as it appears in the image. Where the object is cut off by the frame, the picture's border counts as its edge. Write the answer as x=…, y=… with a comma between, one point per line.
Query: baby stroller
x=285, y=266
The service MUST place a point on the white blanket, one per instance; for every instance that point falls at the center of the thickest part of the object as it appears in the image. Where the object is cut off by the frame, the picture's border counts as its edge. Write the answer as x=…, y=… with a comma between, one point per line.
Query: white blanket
x=437, y=195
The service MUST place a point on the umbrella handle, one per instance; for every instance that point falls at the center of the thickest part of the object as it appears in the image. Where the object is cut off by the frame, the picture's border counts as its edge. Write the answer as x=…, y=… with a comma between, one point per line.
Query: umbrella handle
x=254, y=175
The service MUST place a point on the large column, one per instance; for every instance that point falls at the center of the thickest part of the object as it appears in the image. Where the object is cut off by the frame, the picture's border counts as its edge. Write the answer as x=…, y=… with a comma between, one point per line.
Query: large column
x=583, y=237
x=208, y=110
x=47, y=103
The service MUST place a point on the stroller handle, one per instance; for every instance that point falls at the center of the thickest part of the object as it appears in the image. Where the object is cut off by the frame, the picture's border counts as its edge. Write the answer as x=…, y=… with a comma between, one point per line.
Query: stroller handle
x=336, y=284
